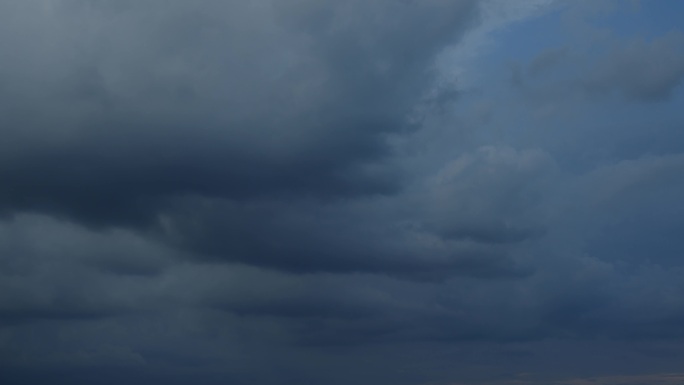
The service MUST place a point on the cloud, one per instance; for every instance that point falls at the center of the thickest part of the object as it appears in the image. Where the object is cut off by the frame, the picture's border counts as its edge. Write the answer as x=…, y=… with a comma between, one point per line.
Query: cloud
x=457, y=62
x=546, y=61
x=640, y=69
x=141, y=104
x=362, y=236
x=484, y=196
x=57, y=270
x=296, y=191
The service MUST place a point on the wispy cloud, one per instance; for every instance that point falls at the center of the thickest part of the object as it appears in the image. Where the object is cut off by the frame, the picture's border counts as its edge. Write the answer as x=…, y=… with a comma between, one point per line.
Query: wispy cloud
x=495, y=15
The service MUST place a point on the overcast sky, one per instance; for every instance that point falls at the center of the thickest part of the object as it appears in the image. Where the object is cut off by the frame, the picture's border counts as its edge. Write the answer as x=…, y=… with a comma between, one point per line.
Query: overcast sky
x=385, y=192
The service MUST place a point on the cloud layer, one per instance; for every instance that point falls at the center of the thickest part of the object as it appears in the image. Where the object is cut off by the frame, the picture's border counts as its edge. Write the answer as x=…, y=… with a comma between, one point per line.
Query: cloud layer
x=300, y=192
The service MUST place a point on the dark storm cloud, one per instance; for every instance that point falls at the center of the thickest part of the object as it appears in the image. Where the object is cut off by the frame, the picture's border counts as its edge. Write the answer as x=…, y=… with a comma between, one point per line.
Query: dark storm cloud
x=230, y=134
x=467, y=220
x=112, y=110
x=631, y=210
x=237, y=137
x=284, y=192
x=359, y=309
x=56, y=270
x=618, y=305
x=259, y=137
x=368, y=236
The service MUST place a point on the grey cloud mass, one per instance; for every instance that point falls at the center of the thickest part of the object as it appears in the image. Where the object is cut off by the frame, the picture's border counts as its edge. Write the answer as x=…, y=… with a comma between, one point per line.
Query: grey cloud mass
x=268, y=100
x=277, y=192
x=641, y=69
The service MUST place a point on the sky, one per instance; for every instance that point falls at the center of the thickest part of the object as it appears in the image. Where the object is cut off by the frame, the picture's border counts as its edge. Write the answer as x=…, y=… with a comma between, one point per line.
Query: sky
x=385, y=192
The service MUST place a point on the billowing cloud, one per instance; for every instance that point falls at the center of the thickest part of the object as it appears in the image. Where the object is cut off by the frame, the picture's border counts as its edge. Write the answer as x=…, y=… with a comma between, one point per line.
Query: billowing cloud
x=111, y=111
x=386, y=192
